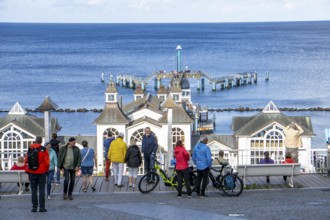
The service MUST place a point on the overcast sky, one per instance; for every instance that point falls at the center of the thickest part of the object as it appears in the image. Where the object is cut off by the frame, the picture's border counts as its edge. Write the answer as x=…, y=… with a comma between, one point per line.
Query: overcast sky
x=154, y=11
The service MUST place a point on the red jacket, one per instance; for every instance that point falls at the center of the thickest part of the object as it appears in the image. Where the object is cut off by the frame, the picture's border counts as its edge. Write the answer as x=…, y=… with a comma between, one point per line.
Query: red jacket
x=289, y=160
x=43, y=157
x=15, y=167
x=182, y=158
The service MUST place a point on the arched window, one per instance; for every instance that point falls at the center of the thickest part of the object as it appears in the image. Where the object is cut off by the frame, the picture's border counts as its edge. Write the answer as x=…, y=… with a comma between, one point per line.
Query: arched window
x=177, y=134
x=271, y=140
x=13, y=143
x=113, y=131
x=137, y=136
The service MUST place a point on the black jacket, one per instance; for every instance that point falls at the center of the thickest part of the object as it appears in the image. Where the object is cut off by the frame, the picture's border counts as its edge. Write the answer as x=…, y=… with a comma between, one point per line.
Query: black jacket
x=133, y=156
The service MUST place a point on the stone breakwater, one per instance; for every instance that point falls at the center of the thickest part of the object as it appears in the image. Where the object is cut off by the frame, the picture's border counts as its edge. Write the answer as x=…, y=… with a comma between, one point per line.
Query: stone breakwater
x=239, y=109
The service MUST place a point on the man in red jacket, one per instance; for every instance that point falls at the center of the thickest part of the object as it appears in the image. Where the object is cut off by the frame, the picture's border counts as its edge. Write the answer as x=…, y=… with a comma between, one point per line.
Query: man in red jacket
x=38, y=176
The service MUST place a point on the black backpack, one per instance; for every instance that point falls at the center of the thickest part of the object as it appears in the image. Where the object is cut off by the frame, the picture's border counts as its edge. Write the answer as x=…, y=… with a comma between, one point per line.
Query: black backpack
x=33, y=157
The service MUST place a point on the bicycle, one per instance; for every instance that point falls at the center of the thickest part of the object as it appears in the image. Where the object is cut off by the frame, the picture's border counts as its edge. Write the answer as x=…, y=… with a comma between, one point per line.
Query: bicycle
x=230, y=183
x=150, y=180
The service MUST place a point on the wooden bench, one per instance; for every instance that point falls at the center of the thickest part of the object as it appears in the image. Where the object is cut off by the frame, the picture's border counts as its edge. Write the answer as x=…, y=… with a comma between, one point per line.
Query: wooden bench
x=14, y=176
x=289, y=170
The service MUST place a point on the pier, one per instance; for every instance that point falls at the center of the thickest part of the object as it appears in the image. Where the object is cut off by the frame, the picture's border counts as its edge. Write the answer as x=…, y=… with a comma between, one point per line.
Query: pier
x=225, y=82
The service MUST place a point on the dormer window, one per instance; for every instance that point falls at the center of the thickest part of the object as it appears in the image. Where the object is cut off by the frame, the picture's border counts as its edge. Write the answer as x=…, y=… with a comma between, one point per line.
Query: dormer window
x=111, y=98
x=176, y=97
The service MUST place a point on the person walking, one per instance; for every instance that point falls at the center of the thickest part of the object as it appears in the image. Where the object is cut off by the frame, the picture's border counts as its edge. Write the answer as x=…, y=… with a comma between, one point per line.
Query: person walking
x=69, y=160
x=37, y=159
x=202, y=158
x=52, y=165
x=149, y=149
x=267, y=160
x=55, y=144
x=106, y=146
x=87, y=165
x=116, y=155
x=133, y=159
x=182, y=168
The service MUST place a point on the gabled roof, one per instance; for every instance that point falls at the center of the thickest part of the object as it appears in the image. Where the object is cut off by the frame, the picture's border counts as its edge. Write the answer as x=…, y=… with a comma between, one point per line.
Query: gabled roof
x=169, y=103
x=17, y=110
x=246, y=126
x=112, y=114
x=227, y=140
x=148, y=101
x=179, y=116
x=138, y=90
x=144, y=119
x=47, y=105
x=271, y=108
x=29, y=123
x=161, y=90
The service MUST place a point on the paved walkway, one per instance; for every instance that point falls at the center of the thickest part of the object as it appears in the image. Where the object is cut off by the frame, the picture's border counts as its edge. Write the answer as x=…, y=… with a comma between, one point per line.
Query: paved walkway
x=301, y=181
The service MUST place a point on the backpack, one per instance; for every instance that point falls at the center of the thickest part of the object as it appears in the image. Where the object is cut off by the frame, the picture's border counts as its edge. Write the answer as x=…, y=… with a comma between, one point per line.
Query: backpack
x=33, y=157
x=229, y=182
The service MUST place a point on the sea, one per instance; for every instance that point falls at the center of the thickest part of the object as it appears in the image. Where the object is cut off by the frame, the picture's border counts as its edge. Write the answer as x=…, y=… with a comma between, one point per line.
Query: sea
x=65, y=62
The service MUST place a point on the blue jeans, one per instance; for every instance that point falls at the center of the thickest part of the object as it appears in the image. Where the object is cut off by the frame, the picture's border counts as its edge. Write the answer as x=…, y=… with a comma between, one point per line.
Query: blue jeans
x=49, y=180
x=38, y=181
x=69, y=173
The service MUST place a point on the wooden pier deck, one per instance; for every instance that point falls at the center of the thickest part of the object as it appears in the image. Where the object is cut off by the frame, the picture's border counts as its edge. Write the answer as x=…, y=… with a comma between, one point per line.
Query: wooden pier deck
x=301, y=181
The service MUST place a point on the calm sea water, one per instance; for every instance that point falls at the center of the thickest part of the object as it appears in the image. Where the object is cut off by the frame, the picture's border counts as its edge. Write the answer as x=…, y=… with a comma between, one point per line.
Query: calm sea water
x=65, y=61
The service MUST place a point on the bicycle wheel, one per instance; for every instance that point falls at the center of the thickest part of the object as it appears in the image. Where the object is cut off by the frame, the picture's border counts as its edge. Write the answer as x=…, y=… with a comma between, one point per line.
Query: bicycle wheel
x=233, y=187
x=148, y=182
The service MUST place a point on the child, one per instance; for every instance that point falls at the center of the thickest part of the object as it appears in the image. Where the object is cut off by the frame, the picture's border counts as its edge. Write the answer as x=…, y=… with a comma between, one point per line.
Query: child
x=134, y=160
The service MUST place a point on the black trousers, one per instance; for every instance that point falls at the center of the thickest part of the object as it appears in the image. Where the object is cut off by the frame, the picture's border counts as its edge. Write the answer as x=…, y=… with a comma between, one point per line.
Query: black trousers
x=186, y=175
x=202, y=175
x=38, y=183
x=69, y=176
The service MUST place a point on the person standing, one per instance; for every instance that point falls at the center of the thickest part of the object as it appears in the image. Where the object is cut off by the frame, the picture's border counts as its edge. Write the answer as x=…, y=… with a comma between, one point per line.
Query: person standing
x=292, y=139
x=266, y=160
x=202, y=159
x=55, y=144
x=106, y=146
x=52, y=165
x=38, y=174
x=133, y=159
x=116, y=155
x=182, y=167
x=87, y=165
x=149, y=149
x=69, y=159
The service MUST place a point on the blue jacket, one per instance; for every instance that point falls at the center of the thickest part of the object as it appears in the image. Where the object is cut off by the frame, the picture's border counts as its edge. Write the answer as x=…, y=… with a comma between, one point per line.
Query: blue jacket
x=149, y=144
x=106, y=145
x=202, y=156
x=52, y=159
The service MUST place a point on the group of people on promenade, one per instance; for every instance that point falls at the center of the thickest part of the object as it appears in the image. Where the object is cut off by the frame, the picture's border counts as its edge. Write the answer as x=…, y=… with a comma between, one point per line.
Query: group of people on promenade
x=69, y=159
x=43, y=161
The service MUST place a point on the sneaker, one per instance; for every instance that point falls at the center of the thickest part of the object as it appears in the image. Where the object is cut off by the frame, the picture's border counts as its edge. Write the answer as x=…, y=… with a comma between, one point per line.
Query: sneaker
x=48, y=197
x=133, y=185
x=43, y=210
x=116, y=184
x=65, y=196
x=70, y=197
x=130, y=185
x=93, y=188
x=121, y=185
x=34, y=210
x=27, y=189
x=179, y=197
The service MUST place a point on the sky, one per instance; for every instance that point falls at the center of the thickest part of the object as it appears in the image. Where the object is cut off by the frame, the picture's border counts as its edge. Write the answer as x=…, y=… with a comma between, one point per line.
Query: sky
x=162, y=11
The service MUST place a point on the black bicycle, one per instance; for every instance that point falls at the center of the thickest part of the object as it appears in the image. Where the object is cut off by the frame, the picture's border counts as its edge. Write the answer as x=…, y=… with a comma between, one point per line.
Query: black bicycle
x=230, y=183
